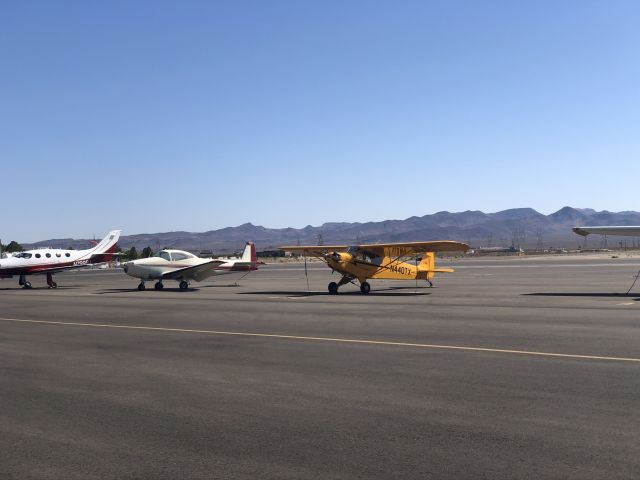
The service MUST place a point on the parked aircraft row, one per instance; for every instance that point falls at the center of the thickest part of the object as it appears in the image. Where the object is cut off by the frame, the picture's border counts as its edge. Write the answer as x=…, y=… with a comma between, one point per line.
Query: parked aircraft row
x=356, y=263
x=178, y=265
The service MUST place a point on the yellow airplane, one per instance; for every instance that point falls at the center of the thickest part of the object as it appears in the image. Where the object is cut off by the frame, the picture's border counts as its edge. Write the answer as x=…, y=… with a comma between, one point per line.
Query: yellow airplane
x=380, y=261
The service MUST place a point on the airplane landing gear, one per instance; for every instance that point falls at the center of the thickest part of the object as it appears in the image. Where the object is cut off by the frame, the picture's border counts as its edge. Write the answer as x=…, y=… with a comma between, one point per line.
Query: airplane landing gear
x=184, y=285
x=50, y=281
x=158, y=286
x=22, y=281
x=430, y=283
x=333, y=286
x=141, y=286
x=365, y=288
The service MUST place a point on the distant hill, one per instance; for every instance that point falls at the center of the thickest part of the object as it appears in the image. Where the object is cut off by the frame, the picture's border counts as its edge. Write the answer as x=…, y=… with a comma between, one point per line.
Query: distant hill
x=523, y=227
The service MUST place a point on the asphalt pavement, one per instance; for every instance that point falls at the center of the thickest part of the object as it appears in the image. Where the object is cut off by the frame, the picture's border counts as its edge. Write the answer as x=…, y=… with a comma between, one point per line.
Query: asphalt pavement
x=509, y=368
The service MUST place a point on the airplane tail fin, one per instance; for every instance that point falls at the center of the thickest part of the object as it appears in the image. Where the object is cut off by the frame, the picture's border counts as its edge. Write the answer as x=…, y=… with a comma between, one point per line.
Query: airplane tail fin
x=427, y=267
x=103, y=251
x=248, y=260
x=428, y=262
x=249, y=253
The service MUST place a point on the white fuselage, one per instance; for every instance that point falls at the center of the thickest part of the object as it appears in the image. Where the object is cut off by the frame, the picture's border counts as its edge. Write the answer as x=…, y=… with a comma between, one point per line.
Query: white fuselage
x=35, y=261
x=168, y=261
x=154, y=268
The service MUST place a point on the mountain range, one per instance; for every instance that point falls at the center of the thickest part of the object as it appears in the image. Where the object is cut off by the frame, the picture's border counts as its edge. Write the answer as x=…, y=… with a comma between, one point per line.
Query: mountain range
x=524, y=227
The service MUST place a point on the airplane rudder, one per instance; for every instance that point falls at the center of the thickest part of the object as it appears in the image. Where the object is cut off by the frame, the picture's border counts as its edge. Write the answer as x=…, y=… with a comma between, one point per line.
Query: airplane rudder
x=249, y=253
x=428, y=261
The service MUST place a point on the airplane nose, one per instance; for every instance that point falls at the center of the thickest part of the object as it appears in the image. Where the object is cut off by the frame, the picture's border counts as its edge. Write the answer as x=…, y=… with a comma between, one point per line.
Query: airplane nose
x=335, y=256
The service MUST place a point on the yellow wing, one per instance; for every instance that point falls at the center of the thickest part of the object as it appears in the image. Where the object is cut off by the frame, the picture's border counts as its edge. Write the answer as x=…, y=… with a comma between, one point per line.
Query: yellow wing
x=412, y=248
x=383, y=249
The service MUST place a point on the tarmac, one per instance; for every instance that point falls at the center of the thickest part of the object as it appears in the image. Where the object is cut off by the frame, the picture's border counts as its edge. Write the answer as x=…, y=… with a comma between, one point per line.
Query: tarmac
x=514, y=368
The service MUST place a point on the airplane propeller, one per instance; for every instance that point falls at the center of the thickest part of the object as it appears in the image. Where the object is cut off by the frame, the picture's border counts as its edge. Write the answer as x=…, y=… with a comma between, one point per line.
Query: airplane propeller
x=335, y=256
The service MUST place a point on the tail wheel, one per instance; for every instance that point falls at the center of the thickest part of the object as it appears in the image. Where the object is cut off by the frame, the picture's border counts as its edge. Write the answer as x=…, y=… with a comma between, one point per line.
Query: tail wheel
x=333, y=288
x=365, y=288
x=54, y=285
x=184, y=285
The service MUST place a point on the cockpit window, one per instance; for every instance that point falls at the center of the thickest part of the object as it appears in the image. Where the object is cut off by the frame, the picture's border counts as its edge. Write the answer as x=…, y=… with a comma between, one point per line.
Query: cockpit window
x=163, y=254
x=22, y=255
x=180, y=255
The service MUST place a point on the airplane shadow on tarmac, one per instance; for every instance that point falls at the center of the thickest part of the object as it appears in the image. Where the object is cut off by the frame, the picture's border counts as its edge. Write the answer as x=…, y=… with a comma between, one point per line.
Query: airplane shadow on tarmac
x=165, y=289
x=44, y=287
x=107, y=291
x=382, y=292
x=633, y=296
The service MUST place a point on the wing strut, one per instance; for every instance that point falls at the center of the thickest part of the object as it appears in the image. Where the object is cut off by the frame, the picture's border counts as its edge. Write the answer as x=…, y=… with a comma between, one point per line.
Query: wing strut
x=415, y=260
x=635, y=279
x=306, y=275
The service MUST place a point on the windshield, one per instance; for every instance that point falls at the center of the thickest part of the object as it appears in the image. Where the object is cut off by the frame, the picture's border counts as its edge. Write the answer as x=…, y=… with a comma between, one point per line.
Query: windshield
x=163, y=254
x=22, y=255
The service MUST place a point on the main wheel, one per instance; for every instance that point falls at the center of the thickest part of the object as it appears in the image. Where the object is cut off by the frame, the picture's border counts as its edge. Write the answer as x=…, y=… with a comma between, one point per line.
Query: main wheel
x=184, y=285
x=333, y=288
x=365, y=287
x=27, y=284
x=54, y=285
x=141, y=286
x=158, y=286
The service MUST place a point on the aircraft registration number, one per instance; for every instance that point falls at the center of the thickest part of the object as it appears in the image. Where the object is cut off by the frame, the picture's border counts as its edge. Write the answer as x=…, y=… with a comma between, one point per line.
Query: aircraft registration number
x=400, y=269
x=81, y=262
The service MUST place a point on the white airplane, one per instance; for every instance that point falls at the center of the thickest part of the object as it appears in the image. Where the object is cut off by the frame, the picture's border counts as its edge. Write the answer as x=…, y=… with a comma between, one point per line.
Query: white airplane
x=184, y=267
x=47, y=261
x=622, y=231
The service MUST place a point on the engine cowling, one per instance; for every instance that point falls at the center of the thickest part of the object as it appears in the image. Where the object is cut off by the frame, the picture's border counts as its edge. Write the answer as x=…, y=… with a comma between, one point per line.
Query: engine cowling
x=340, y=257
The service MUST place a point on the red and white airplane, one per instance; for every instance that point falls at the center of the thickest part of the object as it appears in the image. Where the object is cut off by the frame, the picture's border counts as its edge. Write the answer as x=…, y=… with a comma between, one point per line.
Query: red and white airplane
x=47, y=261
x=184, y=267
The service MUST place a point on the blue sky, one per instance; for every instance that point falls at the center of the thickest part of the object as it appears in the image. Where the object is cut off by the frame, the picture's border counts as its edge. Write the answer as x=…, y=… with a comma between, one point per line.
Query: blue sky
x=157, y=116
